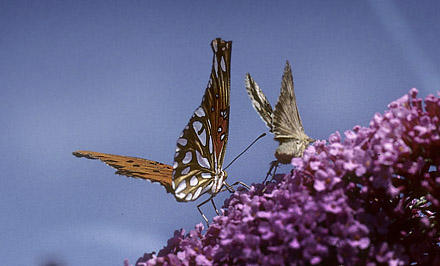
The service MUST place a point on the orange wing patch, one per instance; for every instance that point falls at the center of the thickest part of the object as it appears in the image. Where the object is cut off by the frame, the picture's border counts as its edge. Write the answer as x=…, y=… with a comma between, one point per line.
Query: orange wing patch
x=134, y=167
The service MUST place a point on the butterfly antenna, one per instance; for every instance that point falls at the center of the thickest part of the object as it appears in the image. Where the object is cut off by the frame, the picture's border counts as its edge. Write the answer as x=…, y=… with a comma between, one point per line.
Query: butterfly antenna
x=262, y=135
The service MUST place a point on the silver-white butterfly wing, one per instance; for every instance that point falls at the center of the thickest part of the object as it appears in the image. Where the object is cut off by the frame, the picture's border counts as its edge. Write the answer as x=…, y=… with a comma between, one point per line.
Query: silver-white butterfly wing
x=287, y=125
x=286, y=119
x=259, y=101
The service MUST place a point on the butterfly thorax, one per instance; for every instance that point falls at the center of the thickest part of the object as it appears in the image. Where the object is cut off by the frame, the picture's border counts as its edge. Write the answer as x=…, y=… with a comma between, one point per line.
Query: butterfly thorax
x=218, y=180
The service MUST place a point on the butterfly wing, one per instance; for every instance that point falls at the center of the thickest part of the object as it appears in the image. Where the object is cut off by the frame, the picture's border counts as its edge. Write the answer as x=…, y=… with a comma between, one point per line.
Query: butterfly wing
x=259, y=101
x=286, y=120
x=200, y=151
x=134, y=167
x=201, y=147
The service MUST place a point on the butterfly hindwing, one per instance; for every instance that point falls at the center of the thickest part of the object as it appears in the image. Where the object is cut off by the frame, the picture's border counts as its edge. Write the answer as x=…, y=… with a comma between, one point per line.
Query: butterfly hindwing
x=134, y=167
x=201, y=147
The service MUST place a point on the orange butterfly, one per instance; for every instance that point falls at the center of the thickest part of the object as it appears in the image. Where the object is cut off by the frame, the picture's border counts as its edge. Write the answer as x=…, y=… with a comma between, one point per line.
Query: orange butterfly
x=198, y=161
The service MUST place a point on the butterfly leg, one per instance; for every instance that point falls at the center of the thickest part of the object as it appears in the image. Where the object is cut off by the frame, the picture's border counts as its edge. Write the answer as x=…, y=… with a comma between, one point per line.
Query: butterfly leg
x=241, y=183
x=215, y=207
x=273, y=166
x=201, y=213
x=275, y=170
x=230, y=187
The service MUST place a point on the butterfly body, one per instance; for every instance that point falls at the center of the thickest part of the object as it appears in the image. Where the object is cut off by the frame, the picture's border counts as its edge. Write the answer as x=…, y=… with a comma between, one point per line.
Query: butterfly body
x=284, y=120
x=198, y=160
x=291, y=148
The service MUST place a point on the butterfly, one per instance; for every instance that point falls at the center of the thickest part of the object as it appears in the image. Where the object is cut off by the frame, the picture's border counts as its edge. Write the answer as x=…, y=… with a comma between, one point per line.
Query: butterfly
x=200, y=152
x=283, y=121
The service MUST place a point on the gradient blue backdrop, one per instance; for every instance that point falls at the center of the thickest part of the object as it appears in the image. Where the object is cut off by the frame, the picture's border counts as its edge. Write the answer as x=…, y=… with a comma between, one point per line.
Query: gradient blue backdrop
x=124, y=77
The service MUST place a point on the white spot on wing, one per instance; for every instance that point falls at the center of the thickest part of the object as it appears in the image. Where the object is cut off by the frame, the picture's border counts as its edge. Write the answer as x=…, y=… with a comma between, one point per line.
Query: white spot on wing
x=202, y=137
x=173, y=185
x=215, y=66
x=199, y=112
x=210, y=145
x=180, y=195
x=197, y=194
x=194, y=181
x=197, y=125
x=207, y=188
x=188, y=197
x=203, y=162
x=182, y=141
x=206, y=175
x=175, y=165
x=185, y=171
x=188, y=157
x=180, y=187
x=223, y=64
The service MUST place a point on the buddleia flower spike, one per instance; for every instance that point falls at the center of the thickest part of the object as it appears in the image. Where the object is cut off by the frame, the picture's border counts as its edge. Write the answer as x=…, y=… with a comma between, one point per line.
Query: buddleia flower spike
x=283, y=121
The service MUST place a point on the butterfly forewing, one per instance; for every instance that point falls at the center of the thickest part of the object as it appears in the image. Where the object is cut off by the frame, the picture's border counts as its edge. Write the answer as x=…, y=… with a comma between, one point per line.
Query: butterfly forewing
x=201, y=147
x=259, y=101
x=134, y=167
x=286, y=120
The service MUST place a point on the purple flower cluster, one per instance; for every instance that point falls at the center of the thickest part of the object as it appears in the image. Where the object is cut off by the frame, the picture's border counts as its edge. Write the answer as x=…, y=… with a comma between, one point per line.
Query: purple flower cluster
x=370, y=199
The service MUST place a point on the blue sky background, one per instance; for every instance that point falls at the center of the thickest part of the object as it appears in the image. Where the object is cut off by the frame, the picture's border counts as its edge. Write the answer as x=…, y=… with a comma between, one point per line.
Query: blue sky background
x=124, y=77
